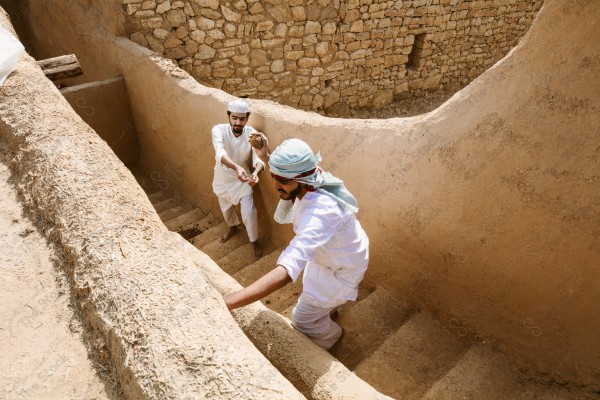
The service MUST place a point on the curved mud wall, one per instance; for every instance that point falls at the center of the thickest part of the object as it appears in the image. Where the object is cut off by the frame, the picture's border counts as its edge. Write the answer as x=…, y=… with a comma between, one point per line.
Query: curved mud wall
x=330, y=55
x=158, y=321
x=484, y=211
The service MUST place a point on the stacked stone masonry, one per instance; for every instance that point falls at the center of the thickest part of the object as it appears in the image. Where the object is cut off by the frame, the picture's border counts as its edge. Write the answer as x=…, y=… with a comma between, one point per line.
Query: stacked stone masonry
x=324, y=55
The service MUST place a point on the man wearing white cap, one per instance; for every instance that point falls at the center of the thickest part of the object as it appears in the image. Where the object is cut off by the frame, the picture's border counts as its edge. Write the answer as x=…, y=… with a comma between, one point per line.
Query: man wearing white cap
x=232, y=181
x=330, y=244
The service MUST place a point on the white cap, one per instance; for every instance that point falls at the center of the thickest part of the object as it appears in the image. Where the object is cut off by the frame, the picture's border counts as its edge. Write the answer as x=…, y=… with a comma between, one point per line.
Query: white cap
x=238, y=106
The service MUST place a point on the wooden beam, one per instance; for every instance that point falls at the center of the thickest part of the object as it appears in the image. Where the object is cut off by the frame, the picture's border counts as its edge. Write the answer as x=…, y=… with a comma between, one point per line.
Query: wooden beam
x=61, y=67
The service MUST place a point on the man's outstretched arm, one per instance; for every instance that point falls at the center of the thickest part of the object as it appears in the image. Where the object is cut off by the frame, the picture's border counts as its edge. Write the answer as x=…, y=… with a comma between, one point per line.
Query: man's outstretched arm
x=264, y=286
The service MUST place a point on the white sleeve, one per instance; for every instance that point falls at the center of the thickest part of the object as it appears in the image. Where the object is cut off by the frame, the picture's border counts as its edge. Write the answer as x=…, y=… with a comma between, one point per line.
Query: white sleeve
x=313, y=232
x=255, y=159
x=218, y=144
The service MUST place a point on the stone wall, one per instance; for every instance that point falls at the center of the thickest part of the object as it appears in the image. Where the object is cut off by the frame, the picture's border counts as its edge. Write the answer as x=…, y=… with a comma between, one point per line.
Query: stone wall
x=327, y=53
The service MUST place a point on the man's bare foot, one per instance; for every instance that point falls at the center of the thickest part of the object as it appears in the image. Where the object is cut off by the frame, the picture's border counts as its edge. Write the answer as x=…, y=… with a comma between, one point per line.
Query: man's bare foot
x=232, y=231
x=258, y=252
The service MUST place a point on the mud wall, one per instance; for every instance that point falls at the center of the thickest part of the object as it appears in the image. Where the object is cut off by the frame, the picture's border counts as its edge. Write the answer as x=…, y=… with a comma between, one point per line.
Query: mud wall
x=159, y=323
x=484, y=211
x=104, y=106
x=315, y=55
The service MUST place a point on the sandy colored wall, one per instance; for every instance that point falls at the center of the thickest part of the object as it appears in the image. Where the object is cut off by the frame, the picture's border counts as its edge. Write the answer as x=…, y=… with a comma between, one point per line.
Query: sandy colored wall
x=157, y=320
x=475, y=211
x=104, y=106
x=80, y=26
x=330, y=55
x=484, y=211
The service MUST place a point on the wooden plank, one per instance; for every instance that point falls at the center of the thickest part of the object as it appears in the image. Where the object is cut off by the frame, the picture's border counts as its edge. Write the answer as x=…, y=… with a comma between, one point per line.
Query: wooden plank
x=61, y=67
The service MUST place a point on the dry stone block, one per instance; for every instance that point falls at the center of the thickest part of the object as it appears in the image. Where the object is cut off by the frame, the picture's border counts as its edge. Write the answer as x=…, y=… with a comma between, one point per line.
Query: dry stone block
x=144, y=13
x=395, y=59
x=298, y=13
x=151, y=23
x=312, y=27
x=163, y=7
x=161, y=34
x=231, y=15
x=256, y=8
x=281, y=30
x=264, y=26
x=271, y=43
x=132, y=8
x=212, y=4
x=258, y=57
x=205, y=52
x=294, y=55
x=172, y=42
x=308, y=62
x=357, y=26
x=277, y=66
x=176, y=17
x=148, y=5
x=329, y=28
x=198, y=36
x=281, y=13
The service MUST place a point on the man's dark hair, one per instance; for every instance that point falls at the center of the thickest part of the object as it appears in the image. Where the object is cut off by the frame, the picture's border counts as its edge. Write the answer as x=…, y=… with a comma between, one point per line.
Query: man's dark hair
x=247, y=114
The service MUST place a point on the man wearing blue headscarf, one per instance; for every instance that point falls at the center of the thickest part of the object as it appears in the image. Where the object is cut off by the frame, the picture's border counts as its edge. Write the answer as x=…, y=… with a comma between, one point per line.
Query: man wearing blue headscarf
x=330, y=244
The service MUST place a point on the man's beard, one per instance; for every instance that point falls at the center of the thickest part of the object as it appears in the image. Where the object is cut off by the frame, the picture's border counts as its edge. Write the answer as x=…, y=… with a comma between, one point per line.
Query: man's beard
x=237, y=130
x=294, y=193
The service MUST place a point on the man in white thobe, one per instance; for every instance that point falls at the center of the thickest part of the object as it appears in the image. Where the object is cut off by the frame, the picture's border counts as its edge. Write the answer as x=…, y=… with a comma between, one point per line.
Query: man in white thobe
x=330, y=244
x=233, y=182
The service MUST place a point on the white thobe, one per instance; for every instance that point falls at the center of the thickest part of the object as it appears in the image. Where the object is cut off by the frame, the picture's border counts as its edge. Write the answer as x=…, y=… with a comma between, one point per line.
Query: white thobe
x=333, y=250
x=228, y=188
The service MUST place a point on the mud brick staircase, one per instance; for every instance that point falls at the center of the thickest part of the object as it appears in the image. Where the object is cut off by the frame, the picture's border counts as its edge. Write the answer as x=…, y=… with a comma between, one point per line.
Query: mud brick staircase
x=402, y=353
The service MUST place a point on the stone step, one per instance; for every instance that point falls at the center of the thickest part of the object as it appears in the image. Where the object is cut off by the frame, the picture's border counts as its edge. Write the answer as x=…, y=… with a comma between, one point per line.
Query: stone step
x=483, y=372
x=158, y=196
x=217, y=250
x=167, y=203
x=209, y=235
x=196, y=228
x=413, y=358
x=258, y=268
x=241, y=257
x=367, y=324
x=145, y=182
x=279, y=300
x=288, y=312
x=178, y=223
x=173, y=212
x=284, y=298
x=362, y=293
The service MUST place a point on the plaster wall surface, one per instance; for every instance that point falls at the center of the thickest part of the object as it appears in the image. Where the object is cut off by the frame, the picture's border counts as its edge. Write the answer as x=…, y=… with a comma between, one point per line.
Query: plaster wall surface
x=154, y=317
x=104, y=106
x=330, y=55
x=484, y=211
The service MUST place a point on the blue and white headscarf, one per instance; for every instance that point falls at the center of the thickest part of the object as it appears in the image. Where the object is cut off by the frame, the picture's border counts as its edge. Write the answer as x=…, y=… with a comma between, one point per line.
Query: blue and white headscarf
x=294, y=159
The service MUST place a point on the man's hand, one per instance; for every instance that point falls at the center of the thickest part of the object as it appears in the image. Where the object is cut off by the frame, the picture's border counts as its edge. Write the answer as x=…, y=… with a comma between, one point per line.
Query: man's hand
x=253, y=179
x=241, y=174
x=262, y=153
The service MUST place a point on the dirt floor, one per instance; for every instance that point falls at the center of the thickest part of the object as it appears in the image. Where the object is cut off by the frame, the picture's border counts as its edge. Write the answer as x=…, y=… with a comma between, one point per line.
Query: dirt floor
x=406, y=106
x=43, y=353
